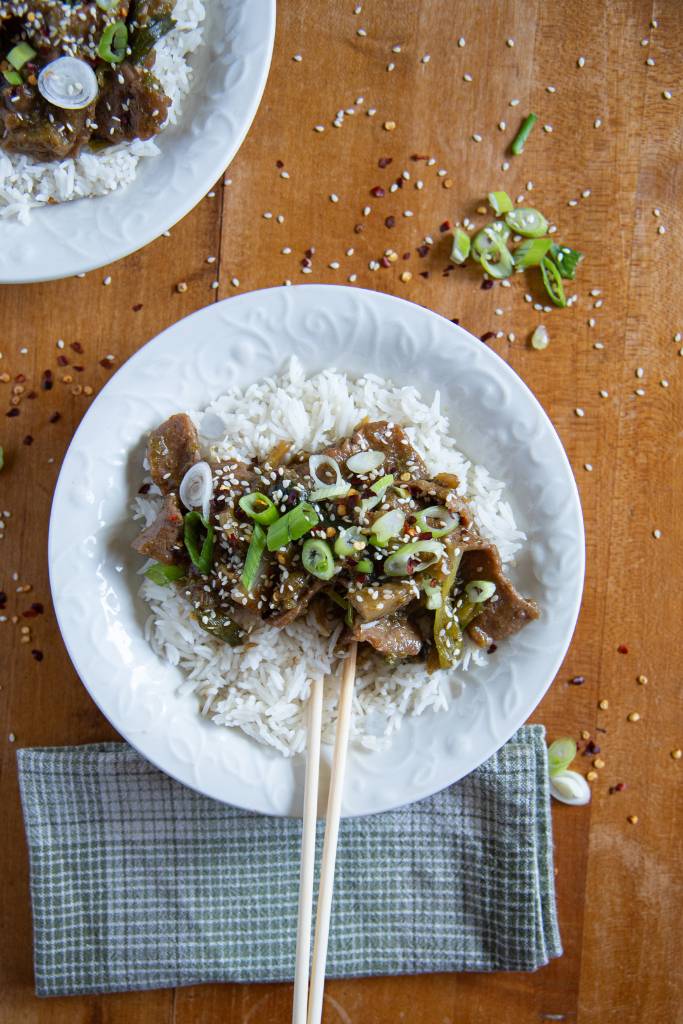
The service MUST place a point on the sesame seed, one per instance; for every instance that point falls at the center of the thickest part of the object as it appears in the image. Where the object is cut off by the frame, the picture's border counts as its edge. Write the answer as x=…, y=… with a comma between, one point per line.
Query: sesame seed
x=297, y=57
x=632, y=819
x=388, y=125
x=640, y=373
x=664, y=383
x=641, y=680
x=547, y=128
x=352, y=278
x=597, y=123
x=514, y=103
x=215, y=284
x=633, y=716
x=235, y=282
x=588, y=467
x=603, y=393
x=598, y=344
x=677, y=754
x=467, y=77
x=656, y=534
x=550, y=88
x=334, y=198
x=640, y=392
x=319, y=128
x=579, y=412
x=286, y=250
x=367, y=210
x=361, y=32
x=280, y=218
x=396, y=48
x=580, y=62
x=666, y=95
x=284, y=174
x=181, y=286
x=603, y=704
x=390, y=66
x=650, y=62
x=591, y=775
x=505, y=166
x=426, y=59
x=502, y=125
x=371, y=111
x=407, y=213
x=267, y=215
x=333, y=265
x=476, y=137
x=461, y=41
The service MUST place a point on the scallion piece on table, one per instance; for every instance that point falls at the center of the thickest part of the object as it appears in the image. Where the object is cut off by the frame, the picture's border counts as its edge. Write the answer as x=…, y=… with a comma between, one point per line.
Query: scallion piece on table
x=460, y=249
x=447, y=522
x=383, y=484
x=553, y=282
x=561, y=753
x=566, y=260
x=497, y=259
x=329, y=492
x=523, y=133
x=317, y=558
x=13, y=78
x=527, y=221
x=164, y=574
x=411, y=558
x=489, y=236
x=500, y=203
x=531, y=252
x=198, y=535
x=254, y=555
x=259, y=507
x=291, y=526
x=387, y=526
x=113, y=43
x=20, y=54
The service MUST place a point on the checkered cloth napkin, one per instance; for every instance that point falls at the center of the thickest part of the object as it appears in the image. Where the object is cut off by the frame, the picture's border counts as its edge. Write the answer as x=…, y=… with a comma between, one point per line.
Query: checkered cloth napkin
x=139, y=883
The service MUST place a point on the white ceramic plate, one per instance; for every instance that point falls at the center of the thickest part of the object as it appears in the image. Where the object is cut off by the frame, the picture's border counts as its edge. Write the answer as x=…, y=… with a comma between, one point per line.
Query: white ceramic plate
x=230, y=71
x=496, y=420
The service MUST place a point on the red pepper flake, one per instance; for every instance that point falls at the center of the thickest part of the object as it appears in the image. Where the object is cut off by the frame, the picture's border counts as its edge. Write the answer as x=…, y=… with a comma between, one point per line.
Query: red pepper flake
x=305, y=262
x=618, y=788
x=144, y=489
x=486, y=284
x=358, y=229
x=3, y=599
x=38, y=655
x=62, y=361
x=76, y=347
x=492, y=648
x=79, y=369
x=424, y=273
x=384, y=161
x=446, y=226
x=622, y=648
x=310, y=252
x=591, y=748
x=406, y=256
x=399, y=182
x=377, y=192
x=56, y=417
x=577, y=680
x=455, y=319
x=416, y=156
x=30, y=614
x=31, y=394
x=46, y=381
x=137, y=307
x=20, y=378
x=422, y=250
x=12, y=412
x=37, y=607
x=487, y=335
x=28, y=439
x=390, y=222
x=107, y=362
x=279, y=164
x=384, y=262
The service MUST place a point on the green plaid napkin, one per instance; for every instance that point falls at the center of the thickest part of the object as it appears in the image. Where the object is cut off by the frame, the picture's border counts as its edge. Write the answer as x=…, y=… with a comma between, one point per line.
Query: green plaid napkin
x=138, y=882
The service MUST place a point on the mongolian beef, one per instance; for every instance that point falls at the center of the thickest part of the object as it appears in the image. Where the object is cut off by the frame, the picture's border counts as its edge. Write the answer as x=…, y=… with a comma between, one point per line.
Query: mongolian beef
x=357, y=532
x=77, y=73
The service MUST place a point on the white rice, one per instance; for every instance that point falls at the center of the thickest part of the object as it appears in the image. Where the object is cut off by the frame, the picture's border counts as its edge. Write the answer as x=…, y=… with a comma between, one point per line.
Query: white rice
x=263, y=688
x=26, y=183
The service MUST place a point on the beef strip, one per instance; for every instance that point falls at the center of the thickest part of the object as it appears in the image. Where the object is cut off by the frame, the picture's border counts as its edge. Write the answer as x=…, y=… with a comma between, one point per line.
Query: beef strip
x=163, y=539
x=172, y=449
x=507, y=611
x=394, y=636
x=376, y=602
x=131, y=104
x=25, y=126
x=445, y=495
x=298, y=590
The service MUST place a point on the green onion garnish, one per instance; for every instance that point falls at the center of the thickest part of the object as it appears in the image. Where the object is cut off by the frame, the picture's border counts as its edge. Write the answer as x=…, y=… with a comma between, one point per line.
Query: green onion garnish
x=500, y=203
x=113, y=43
x=531, y=252
x=20, y=55
x=489, y=236
x=329, y=492
x=433, y=595
x=291, y=526
x=553, y=282
x=411, y=558
x=383, y=484
x=527, y=221
x=479, y=591
x=439, y=514
x=259, y=507
x=164, y=574
x=523, y=133
x=364, y=566
x=317, y=558
x=566, y=260
x=387, y=526
x=199, y=548
x=13, y=78
x=497, y=260
x=349, y=542
x=561, y=753
x=365, y=462
x=253, y=559
x=460, y=249
x=148, y=35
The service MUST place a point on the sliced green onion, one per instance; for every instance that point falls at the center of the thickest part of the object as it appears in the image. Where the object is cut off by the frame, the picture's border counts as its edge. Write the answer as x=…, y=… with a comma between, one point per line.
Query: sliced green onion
x=479, y=591
x=383, y=484
x=20, y=55
x=365, y=462
x=364, y=566
x=164, y=574
x=253, y=560
x=106, y=5
x=561, y=753
x=500, y=202
x=317, y=462
x=349, y=542
x=460, y=249
x=566, y=260
x=527, y=221
x=411, y=558
x=200, y=549
x=553, y=282
x=259, y=507
x=387, y=526
x=291, y=526
x=339, y=600
x=523, y=133
x=367, y=504
x=489, y=236
x=145, y=38
x=448, y=521
x=328, y=493
x=501, y=229
x=434, y=598
x=13, y=78
x=570, y=788
x=497, y=260
x=317, y=558
x=531, y=252
x=113, y=43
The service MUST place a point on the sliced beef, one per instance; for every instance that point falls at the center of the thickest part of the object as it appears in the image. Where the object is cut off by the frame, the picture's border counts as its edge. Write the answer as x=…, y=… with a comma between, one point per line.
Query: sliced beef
x=163, y=539
x=507, y=611
x=131, y=104
x=172, y=449
x=293, y=596
x=376, y=602
x=394, y=636
x=30, y=125
x=444, y=494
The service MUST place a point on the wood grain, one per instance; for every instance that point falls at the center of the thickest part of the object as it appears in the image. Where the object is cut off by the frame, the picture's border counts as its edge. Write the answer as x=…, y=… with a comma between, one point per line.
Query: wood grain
x=618, y=884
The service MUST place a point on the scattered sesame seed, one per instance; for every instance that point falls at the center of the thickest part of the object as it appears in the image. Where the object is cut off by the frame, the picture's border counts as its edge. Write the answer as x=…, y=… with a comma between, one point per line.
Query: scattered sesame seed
x=476, y=137
x=502, y=125
x=396, y=48
x=666, y=95
x=640, y=373
x=641, y=680
x=349, y=252
x=644, y=42
x=406, y=276
x=598, y=763
x=388, y=125
x=461, y=41
x=334, y=198
x=550, y=88
x=107, y=280
x=352, y=278
x=509, y=42
x=426, y=59
x=210, y=259
x=235, y=282
x=514, y=103
x=319, y=128
x=597, y=123
x=650, y=62
x=586, y=193
x=284, y=174
x=656, y=534
x=371, y=111
x=334, y=265
x=633, y=716
x=267, y=215
x=573, y=202
x=390, y=66
x=297, y=57
x=640, y=392
x=505, y=166
x=677, y=754
x=286, y=250
x=603, y=704
x=547, y=128
x=11, y=737
x=632, y=819
x=215, y=284
x=367, y=210
x=664, y=383
x=579, y=412
x=181, y=286
x=361, y=32
x=598, y=344
x=407, y=213
x=591, y=775
x=581, y=62
x=499, y=312
x=588, y=467
x=280, y=218
x=591, y=321
x=603, y=393
x=467, y=77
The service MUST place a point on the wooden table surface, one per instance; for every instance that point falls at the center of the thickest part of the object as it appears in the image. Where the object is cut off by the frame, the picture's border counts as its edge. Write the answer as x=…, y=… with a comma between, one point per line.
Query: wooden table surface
x=609, y=174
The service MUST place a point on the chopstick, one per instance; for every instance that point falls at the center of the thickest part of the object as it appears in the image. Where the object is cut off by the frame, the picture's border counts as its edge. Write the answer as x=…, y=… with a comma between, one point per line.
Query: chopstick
x=303, y=934
x=322, y=921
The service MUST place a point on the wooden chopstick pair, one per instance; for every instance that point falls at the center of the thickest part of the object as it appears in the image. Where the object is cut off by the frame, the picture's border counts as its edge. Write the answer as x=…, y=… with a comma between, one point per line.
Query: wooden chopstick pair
x=308, y=998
